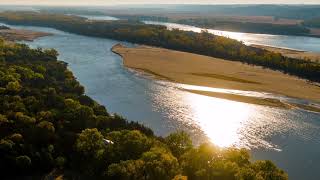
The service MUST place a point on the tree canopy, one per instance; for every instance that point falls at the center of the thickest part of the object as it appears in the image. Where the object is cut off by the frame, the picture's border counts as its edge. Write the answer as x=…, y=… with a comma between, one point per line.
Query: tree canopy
x=201, y=43
x=50, y=129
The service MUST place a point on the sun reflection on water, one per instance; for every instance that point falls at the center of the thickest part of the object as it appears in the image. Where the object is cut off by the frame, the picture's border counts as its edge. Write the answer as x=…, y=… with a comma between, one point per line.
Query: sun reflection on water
x=223, y=122
x=220, y=119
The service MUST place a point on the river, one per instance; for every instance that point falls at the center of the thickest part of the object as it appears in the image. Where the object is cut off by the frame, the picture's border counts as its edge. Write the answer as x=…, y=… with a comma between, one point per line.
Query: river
x=311, y=44
x=290, y=138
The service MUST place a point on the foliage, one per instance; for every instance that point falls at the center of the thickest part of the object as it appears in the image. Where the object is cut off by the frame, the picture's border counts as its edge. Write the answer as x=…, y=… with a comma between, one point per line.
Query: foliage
x=178, y=143
x=249, y=27
x=47, y=125
x=314, y=22
x=201, y=43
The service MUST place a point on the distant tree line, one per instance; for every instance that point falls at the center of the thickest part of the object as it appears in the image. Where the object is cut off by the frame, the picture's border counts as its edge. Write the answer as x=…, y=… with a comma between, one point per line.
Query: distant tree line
x=50, y=130
x=229, y=25
x=249, y=27
x=201, y=43
x=314, y=22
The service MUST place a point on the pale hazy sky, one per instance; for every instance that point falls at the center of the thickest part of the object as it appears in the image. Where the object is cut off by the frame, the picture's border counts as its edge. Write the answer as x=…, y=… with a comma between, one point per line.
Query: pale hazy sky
x=117, y=2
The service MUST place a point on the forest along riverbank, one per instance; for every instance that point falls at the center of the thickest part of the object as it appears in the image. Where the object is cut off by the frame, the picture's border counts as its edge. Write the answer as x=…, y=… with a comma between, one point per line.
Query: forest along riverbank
x=193, y=69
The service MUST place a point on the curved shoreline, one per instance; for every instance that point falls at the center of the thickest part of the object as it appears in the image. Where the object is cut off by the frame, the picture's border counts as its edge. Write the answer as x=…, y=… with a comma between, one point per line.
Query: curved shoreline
x=145, y=58
x=21, y=34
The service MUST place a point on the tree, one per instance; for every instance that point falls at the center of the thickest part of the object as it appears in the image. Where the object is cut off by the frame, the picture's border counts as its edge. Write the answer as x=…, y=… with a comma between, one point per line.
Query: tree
x=128, y=144
x=160, y=164
x=127, y=170
x=90, y=143
x=24, y=162
x=13, y=86
x=3, y=119
x=267, y=170
x=179, y=143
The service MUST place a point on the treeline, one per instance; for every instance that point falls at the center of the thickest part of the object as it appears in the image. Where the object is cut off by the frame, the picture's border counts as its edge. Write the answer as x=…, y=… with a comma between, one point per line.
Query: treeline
x=315, y=22
x=4, y=27
x=249, y=27
x=49, y=129
x=229, y=25
x=200, y=43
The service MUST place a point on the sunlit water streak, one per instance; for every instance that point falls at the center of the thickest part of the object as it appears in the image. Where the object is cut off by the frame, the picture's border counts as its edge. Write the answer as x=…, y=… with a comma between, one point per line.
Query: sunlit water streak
x=290, y=42
x=91, y=17
x=227, y=123
x=271, y=133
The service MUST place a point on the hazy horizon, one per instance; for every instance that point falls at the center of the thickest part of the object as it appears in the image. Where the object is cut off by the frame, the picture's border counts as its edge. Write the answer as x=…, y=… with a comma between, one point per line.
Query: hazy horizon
x=150, y=2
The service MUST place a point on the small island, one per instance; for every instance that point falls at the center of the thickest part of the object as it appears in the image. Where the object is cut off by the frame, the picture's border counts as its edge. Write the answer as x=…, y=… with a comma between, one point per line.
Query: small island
x=193, y=69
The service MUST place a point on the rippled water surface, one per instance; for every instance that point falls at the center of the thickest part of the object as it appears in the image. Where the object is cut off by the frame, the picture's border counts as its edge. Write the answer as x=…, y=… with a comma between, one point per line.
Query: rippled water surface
x=291, y=138
x=311, y=44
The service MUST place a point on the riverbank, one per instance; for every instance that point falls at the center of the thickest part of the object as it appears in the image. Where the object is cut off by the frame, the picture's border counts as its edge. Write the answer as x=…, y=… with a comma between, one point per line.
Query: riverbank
x=206, y=71
x=292, y=53
x=21, y=34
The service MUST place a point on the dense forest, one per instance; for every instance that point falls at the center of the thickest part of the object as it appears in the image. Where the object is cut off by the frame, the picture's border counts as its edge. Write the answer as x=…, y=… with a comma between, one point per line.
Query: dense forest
x=50, y=129
x=229, y=25
x=201, y=43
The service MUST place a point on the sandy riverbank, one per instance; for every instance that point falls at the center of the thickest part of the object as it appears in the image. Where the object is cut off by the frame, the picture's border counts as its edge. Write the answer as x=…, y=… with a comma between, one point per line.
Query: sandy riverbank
x=21, y=35
x=201, y=70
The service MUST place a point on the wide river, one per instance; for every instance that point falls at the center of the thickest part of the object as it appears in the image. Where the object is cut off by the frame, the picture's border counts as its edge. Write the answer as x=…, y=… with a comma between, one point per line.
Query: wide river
x=290, y=138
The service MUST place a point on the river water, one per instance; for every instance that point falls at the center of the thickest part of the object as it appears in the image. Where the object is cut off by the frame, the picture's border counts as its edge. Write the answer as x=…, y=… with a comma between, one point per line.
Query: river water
x=304, y=43
x=290, y=138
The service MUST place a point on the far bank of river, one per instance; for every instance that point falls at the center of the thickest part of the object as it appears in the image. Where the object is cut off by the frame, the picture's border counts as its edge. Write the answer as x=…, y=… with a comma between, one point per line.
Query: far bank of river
x=304, y=43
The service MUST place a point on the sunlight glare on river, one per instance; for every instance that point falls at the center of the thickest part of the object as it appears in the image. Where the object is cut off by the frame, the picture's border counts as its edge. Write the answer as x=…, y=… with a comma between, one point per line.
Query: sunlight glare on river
x=219, y=119
x=224, y=122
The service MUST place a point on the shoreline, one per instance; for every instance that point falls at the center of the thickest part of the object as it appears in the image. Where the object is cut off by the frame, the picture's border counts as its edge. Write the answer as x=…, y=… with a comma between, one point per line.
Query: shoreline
x=291, y=53
x=167, y=67
x=21, y=34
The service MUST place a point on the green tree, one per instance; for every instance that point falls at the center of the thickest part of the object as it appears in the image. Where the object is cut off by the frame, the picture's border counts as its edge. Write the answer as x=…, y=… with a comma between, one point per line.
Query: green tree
x=127, y=170
x=13, y=86
x=128, y=144
x=160, y=164
x=90, y=143
x=267, y=170
x=179, y=143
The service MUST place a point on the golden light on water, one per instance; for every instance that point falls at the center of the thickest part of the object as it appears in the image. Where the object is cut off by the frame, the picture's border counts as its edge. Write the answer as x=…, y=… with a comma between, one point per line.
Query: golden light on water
x=220, y=119
x=223, y=122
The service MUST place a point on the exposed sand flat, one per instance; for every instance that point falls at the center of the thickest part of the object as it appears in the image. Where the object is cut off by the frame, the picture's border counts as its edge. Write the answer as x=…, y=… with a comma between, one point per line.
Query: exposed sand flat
x=292, y=53
x=21, y=35
x=201, y=70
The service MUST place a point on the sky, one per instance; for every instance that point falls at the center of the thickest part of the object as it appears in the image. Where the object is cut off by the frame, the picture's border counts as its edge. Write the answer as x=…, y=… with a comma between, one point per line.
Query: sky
x=119, y=2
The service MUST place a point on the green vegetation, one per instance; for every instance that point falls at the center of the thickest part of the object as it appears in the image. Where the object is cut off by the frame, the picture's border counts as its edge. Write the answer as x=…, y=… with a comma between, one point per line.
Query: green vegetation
x=315, y=22
x=229, y=25
x=249, y=27
x=201, y=43
x=4, y=27
x=49, y=128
